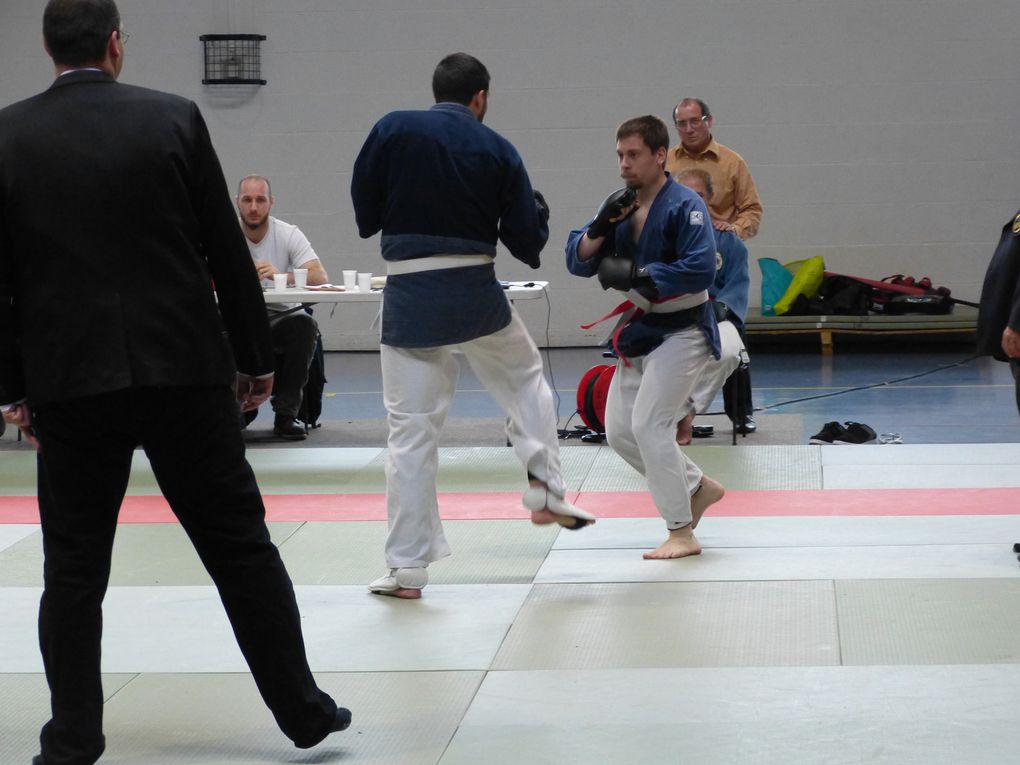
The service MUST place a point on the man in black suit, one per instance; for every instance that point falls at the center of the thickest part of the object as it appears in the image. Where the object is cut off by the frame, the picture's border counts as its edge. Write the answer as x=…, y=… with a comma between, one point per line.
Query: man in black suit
x=998, y=330
x=115, y=220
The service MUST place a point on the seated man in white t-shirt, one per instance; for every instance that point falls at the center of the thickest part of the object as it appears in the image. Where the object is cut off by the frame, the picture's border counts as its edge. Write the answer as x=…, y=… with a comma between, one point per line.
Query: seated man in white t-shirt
x=278, y=247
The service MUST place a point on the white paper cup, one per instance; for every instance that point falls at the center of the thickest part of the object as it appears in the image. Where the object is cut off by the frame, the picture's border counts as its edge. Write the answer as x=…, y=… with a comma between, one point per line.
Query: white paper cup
x=280, y=281
x=301, y=278
x=350, y=280
x=365, y=282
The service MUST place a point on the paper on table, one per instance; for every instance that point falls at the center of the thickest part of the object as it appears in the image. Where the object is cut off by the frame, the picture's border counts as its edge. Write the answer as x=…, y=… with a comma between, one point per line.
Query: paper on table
x=325, y=287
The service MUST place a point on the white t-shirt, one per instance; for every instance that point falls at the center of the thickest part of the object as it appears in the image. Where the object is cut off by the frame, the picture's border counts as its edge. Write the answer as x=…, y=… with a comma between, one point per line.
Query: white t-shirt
x=286, y=248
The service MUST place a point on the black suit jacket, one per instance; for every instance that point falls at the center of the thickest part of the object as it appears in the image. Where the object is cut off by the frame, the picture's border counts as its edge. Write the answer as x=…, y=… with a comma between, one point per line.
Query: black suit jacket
x=1000, y=295
x=115, y=219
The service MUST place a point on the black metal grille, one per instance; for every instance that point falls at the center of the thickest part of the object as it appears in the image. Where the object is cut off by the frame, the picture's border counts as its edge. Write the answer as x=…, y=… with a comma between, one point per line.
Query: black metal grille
x=232, y=59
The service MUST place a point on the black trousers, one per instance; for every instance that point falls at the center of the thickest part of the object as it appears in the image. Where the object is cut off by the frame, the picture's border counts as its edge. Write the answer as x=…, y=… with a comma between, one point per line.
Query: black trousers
x=293, y=335
x=737, y=389
x=191, y=438
x=1014, y=367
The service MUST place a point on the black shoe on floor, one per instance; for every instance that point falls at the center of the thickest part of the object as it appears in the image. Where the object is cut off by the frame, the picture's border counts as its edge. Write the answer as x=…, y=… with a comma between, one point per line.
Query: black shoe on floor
x=247, y=418
x=288, y=428
x=828, y=435
x=703, y=431
x=857, y=433
x=342, y=721
x=748, y=426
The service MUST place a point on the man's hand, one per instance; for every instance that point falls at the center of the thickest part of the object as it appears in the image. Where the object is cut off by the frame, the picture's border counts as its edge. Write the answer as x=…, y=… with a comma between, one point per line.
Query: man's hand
x=620, y=273
x=543, y=206
x=1011, y=343
x=721, y=225
x=18, y=416
x=252, y=392
x=264, y=269
x=616, y=207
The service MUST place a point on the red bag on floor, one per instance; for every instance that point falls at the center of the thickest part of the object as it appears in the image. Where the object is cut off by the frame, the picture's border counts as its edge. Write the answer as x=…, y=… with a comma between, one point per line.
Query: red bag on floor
x=904, y=294
x=592, y=392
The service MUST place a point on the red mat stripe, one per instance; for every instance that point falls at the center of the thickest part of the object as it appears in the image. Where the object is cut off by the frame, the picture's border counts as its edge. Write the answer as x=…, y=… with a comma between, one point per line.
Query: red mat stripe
x=502, y=505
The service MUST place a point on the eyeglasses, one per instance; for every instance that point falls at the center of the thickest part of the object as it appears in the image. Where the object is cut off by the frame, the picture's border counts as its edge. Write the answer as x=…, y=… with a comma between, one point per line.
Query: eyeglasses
x=123, y=36
x=693, y=122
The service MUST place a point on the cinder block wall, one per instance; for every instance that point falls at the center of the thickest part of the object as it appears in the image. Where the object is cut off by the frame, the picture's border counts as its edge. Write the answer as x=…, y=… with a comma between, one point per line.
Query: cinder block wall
x=883, y=135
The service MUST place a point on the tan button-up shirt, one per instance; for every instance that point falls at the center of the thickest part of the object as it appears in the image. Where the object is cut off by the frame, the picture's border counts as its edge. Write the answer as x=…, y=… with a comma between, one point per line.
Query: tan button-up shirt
x=735, y=198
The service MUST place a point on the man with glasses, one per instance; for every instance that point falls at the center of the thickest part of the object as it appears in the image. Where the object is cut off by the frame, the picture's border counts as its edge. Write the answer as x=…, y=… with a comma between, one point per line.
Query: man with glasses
x=734, y=206
x=111, y=338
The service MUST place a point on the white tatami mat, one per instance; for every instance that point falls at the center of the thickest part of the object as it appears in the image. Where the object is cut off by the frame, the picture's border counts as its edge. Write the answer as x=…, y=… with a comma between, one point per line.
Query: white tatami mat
x=772, y=563
x=921, y=466
x=11, y=534
x=184, y=629
x=754, y=716
x=802, y=531
x=820, y=640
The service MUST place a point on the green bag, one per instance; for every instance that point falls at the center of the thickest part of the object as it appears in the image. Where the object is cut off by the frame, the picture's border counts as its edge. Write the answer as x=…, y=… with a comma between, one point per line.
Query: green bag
x=806, y=278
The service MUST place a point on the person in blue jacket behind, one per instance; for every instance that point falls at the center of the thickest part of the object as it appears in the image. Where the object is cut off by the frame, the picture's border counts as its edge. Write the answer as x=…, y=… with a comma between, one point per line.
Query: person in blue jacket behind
x=729, y=293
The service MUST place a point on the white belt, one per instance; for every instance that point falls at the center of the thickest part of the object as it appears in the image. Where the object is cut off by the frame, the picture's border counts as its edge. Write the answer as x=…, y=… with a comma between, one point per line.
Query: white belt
x=435, y=263
x=678, y=303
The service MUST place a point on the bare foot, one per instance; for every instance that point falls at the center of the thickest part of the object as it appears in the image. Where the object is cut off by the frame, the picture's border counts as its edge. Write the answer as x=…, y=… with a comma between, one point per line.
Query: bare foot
x=547, y=508
x=685, y=430
x=679, y=544
x=709, y=492
x=407, y=593
x=406, y=583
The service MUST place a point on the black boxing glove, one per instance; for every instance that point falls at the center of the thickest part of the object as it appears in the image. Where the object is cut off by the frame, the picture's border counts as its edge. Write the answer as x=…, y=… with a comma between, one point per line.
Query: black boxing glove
x=612, y=212
x=616, y=273
x=543, y=206
x=644, y=283
x=619, y=273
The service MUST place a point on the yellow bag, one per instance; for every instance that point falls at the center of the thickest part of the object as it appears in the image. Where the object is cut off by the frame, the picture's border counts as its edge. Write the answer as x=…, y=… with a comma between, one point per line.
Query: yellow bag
x=807, y=278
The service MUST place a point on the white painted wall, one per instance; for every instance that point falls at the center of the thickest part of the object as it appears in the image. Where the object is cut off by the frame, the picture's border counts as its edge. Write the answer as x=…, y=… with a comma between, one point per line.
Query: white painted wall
x=883, y=134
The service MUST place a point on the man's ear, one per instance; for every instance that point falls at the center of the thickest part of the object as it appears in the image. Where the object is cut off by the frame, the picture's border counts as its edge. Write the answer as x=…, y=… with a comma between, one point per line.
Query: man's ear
x=114, y=51
x=113, y=45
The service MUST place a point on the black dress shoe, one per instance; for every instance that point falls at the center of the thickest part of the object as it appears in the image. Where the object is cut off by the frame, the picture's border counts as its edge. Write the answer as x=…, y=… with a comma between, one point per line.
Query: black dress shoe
x=748, y=425
x=342, y=721
x=288, y=428
x=247, y=418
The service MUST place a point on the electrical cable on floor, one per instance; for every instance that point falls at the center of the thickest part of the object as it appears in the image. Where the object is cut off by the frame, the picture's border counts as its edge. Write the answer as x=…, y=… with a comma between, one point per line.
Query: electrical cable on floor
x=548, y=357
x=862, y=387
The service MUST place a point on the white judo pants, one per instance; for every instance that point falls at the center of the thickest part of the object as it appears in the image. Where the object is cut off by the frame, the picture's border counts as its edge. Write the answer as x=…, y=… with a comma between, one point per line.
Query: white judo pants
x=644, y=403
x=418, y=387
x=716, y=372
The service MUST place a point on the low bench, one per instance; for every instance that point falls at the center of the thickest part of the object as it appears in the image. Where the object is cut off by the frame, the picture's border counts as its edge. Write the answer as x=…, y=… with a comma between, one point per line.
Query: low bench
x=963, y=319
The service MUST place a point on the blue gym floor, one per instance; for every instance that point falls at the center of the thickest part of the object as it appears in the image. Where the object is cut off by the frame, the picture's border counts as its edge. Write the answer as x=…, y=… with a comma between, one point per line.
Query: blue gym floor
x=971, y=402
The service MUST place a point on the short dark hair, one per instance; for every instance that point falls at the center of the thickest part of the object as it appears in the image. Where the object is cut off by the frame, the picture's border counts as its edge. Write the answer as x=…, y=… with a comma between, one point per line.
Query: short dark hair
x=652, y=130
x=458, y=77
x=705, y=112
x=76, y=31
